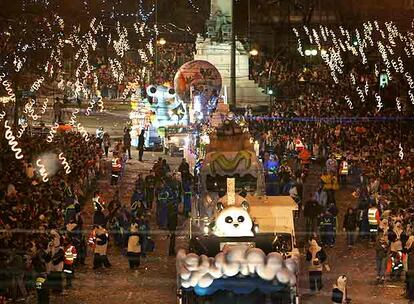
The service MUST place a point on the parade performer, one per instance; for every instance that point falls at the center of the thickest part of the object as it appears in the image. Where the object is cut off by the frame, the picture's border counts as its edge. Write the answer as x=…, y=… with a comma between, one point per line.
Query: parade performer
x=101, y=245
x=134, y=246
x=162, y=200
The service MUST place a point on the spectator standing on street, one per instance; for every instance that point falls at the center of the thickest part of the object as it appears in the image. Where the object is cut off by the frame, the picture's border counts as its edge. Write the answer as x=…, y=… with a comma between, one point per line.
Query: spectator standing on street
x=382, y=253
x=339, y=291
x=316, y=257
x=184, y=168
x=172, y=226
x=149, y=189
x=349, y=226
x=57, y=110
x=327, y=228
x=311, y=212
x=99, y=135
x=134, y=247
x=141, y=144
x=409, y=277
x=101, y=245
x=127, y=142
x=106, y=143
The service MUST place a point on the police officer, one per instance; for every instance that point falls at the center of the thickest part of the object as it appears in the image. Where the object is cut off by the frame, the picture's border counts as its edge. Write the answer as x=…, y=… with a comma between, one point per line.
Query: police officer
x=343, y=171
x=327, y=229
x=42, y=289
x=373, y=221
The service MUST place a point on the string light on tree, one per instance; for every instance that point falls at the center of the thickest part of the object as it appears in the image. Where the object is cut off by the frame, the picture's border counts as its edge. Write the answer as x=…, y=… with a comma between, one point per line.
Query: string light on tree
x=12, y=141
x=52, y=132
x=349, y=102
x=42, y=170
x=398, y=102
x=64, y=162
x=379, y=102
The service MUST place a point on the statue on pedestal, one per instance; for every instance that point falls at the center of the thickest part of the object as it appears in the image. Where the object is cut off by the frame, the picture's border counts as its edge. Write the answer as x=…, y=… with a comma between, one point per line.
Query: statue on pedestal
x=219, y=24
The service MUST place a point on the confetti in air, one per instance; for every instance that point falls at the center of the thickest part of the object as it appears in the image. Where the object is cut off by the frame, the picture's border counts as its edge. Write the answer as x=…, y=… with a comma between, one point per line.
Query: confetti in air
x=349, y=102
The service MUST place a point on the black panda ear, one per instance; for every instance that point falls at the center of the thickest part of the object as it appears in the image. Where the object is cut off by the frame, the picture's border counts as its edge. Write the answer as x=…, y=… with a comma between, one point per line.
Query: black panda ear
x=219, y=206
x=245, y=205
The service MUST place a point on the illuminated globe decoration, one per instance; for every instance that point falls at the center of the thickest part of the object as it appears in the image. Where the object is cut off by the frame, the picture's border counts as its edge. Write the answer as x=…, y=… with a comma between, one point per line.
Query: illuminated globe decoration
x=198, y=83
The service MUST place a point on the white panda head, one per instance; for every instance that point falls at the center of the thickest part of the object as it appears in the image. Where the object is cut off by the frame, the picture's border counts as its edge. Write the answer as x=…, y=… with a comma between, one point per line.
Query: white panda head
x=233, y=221
x=160, y=93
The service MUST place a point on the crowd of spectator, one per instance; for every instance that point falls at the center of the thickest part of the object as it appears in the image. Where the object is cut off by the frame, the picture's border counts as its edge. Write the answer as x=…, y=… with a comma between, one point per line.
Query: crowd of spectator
x=32, y=211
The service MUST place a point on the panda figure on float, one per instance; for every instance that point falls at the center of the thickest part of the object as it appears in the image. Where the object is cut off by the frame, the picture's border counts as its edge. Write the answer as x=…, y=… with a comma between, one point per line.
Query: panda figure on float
x=233, y=221
x=164, y=103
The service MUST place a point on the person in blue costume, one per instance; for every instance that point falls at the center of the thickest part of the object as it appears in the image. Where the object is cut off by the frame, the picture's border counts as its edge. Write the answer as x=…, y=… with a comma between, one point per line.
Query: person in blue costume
x=271, y=167
x=163, y=195
x=137, y=202
x=327, y=229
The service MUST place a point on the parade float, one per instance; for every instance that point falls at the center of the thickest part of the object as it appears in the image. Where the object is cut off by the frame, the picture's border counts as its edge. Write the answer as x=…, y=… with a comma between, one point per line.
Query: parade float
x=242, y=244
x=156, y=112
x=244, y=253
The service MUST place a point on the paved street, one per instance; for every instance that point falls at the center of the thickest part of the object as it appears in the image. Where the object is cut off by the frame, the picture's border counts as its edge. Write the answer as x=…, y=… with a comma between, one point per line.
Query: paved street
x=155, y=281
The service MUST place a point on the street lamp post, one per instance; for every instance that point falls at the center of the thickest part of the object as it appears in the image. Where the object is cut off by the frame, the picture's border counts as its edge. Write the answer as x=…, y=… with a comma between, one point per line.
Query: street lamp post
x=233, y=57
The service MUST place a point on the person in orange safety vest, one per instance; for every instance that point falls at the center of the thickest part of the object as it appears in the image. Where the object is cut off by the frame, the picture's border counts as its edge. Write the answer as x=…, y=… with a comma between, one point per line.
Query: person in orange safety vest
x=116, y=168
x=68, y=262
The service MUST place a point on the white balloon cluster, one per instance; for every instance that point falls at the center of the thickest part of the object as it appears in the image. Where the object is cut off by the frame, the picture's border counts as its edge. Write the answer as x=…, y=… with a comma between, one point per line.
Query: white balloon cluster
x=12, y=141
x=201, y=270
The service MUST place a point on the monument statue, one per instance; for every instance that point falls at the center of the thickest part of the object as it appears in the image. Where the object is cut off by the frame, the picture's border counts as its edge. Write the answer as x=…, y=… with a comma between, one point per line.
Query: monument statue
x=216, y=49
x=219, y=23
